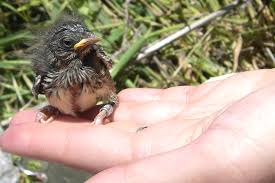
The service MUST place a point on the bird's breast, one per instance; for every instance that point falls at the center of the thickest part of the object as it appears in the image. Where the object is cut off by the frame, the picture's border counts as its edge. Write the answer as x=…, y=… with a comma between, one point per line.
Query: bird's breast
x=77, y=98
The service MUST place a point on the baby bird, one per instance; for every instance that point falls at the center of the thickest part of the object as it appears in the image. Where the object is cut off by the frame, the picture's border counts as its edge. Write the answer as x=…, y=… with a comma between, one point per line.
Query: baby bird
x=72, y=71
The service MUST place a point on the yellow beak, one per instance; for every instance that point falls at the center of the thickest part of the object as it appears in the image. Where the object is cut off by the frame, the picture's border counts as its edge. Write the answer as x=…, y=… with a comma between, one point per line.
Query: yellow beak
x=85, y=42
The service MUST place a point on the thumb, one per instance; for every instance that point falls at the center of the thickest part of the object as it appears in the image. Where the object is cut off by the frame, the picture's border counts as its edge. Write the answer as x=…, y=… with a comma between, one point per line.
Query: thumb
x=188, y=164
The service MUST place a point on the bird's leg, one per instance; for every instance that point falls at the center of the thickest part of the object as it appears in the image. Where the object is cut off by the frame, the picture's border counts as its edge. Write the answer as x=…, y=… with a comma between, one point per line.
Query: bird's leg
x=107, y=109
x=47, y=114
x=100, y=53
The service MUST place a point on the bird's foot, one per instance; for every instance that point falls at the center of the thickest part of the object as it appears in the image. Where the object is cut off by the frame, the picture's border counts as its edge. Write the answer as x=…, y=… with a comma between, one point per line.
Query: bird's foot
x=104, y=112
x=47, y=114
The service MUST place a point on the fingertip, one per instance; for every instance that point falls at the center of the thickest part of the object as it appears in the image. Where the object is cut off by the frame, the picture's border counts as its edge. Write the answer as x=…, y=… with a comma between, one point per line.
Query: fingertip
x=26, y=116
x=15, y=139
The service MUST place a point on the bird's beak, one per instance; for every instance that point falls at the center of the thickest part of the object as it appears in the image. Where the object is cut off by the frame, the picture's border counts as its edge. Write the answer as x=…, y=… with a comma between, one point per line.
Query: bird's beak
x=86, y=42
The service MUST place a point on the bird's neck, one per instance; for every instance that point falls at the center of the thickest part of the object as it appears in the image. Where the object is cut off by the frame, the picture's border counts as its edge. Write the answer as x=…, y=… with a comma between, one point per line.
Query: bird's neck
x=75, y=64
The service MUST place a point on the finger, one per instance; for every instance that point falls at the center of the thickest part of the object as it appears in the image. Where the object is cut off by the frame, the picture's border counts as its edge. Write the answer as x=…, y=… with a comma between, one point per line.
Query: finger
x=91, y=148
x=185, y=165
x=146, y=95
x=75, y=144
x=252, y=116
x=139, y=95
x=207, y=99
x=247, y=81
x=168, y=104
x=232, y=88
x=191, y=102
x=147, y=112
x=26, y=116
x=202, y=100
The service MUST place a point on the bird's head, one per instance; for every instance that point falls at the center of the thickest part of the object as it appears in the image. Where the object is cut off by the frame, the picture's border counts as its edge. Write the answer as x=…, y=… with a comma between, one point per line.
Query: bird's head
x=65, y=44
x=69, y=40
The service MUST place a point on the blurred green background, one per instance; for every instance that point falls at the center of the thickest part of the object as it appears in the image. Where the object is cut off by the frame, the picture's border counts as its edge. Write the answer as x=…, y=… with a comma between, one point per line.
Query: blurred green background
x=241, y=40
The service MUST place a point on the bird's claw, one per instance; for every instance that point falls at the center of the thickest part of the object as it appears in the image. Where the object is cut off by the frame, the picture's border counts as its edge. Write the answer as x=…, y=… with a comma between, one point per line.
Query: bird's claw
x=104, y=112
x=43, y=118
x=47, y=114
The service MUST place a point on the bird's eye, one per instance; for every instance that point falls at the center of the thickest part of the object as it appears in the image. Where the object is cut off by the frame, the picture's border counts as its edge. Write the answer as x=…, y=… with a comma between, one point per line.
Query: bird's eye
x=67, y=42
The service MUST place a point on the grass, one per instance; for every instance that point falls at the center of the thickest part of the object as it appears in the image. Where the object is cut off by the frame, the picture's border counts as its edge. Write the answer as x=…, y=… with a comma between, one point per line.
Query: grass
x=239, y=41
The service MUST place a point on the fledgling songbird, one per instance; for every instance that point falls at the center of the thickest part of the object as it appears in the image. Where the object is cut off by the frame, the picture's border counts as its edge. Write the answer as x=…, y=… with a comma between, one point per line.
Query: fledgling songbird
x=72, y=71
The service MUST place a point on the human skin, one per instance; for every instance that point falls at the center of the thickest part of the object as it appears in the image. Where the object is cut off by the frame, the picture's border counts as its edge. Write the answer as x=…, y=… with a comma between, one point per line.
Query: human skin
x=221, y=131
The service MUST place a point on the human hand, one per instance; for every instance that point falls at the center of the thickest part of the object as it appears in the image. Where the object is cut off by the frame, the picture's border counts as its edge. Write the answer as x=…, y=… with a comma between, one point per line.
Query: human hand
x=220, y=131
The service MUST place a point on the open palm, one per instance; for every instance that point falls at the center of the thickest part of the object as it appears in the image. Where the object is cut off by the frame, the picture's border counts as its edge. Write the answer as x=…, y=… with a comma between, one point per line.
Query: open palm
x=221, y=131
